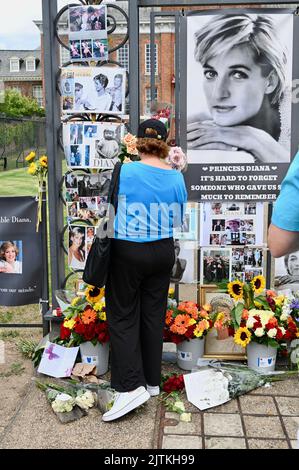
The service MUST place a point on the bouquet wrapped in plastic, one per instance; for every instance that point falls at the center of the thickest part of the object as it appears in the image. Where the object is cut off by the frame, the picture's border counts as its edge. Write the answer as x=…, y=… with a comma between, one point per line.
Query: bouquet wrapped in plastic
x=221, y=382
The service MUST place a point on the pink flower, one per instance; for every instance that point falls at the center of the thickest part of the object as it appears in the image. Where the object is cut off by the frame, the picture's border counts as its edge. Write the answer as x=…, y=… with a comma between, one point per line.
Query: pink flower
x=176, y=158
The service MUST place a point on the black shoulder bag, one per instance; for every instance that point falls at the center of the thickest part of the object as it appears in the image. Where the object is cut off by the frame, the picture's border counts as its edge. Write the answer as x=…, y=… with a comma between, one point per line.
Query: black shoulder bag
x=98, y=259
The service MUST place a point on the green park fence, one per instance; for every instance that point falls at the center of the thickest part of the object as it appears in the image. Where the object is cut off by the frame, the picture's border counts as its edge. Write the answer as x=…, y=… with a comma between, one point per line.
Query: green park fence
x=18, y=137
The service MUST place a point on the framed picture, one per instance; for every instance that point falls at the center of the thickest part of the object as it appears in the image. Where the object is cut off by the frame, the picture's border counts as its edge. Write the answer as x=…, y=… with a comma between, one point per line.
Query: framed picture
x=287, y=273
x=225, y=349
x=214, y=346
x=185, y=266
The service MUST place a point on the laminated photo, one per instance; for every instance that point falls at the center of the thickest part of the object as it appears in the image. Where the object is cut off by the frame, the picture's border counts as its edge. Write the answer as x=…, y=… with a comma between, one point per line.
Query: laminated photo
x=189, y=228
x=87, y=22
x=99, y=90
x=246, y=263
x=88, y=49
x=93, y=145
x=214, y=265
x=77, y=249
x=227, y=224
x=185, y=266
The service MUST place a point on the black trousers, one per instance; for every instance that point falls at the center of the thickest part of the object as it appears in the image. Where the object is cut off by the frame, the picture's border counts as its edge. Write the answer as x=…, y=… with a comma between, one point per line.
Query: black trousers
x=136, y=302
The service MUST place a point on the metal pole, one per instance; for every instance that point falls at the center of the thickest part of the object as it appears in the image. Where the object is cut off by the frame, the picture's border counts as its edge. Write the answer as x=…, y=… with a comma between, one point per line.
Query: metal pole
x=52, y=127
x=134, y=65
x=45, y=282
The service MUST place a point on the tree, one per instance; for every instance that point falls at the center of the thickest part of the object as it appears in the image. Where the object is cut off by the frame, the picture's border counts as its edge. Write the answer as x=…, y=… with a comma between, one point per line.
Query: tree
x=17, y=105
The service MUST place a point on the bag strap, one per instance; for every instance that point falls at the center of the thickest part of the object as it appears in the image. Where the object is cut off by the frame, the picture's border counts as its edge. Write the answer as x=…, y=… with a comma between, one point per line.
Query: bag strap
x=114, y=186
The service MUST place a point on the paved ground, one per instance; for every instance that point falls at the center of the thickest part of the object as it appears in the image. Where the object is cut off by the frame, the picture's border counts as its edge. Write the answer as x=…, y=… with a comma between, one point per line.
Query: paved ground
x=267, y=418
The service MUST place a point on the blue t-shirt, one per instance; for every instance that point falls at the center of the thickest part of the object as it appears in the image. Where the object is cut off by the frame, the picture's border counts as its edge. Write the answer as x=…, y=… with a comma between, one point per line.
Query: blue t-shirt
x=151, y=202
x=286, y=208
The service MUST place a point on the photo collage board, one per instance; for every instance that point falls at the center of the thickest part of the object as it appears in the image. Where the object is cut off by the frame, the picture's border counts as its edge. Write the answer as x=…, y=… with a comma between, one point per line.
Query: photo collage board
x=220, y=242
x=91, y=146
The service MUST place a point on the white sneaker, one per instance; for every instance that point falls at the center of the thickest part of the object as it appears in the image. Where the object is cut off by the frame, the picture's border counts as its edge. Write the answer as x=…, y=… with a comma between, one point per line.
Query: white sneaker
x=153, y=391
x=125, y=402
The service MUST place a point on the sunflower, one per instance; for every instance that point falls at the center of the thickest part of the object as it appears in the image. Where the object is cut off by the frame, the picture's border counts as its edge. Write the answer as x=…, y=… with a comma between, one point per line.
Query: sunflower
x=242, y=337
x=235, y=289
x=258, y=284
x=44, y=161
x=32, y=169
x=94, y=294
x=88, y=316
x=30, y=157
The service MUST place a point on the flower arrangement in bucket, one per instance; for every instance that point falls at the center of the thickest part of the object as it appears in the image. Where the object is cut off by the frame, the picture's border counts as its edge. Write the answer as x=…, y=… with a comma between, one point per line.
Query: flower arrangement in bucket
x=260, y=319
x=38, y=167
x=85, y=319
x=186, y=322
x=186, y=325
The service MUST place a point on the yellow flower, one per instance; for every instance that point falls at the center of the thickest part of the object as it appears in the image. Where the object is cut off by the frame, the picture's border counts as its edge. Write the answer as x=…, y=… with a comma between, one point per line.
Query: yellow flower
x=32, y=169
x=170, y=291
x=279, y=300
x=75, y=301
x=235, y=289
x=103, y=316
x=127, y=160
x=192, y=321
x=44, y=161
x=201, y=327
x=242, y=337
x=69, y=323
x=258, y=284
x=30, y=157
x=98, y=306
x=94, y=294
x=207, y=307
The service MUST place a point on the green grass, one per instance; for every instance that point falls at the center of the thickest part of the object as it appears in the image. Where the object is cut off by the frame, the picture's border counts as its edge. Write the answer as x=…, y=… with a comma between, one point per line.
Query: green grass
x=17, y=183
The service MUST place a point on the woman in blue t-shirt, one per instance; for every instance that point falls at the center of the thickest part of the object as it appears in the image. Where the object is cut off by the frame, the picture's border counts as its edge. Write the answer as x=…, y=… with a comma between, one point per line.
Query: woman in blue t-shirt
x=151, y=202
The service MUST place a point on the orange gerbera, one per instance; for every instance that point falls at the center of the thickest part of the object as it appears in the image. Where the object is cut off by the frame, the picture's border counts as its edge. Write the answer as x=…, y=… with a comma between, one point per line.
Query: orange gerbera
x=89, y=316
x=180, y=324
x=190, y=308
x=168, y=318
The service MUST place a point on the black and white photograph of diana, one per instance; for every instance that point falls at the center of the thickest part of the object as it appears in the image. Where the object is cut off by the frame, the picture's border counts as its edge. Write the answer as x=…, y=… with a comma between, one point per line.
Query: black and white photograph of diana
x=287, y=273
x=239, y=83
x=185, y=266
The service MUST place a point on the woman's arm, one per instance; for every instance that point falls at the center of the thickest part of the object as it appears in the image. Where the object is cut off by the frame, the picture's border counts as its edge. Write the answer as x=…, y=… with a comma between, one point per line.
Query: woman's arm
x=209, y=136
x=282, y=242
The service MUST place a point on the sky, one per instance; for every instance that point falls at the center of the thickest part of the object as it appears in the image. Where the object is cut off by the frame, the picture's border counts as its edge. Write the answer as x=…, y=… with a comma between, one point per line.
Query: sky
x=17, y=28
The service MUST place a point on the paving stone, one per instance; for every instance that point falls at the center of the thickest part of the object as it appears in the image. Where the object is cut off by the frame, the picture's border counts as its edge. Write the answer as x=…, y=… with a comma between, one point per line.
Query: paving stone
x=295, y=444
x=292, y=425
x=229, y=407
x=268, y=426
x=287, y=406
x=193, y=427
x=287, y=388
x=217, y=424
x=258, y=405
x=224, y=443
x=267, y=444
x=181, y=442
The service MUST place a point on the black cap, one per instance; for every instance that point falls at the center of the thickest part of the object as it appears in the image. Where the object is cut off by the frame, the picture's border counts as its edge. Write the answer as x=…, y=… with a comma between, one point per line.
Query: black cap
x=155, y=124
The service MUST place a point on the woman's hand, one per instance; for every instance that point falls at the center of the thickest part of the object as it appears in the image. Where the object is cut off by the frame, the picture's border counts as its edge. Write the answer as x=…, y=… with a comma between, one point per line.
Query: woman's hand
x=208, y=135
x=7, y=268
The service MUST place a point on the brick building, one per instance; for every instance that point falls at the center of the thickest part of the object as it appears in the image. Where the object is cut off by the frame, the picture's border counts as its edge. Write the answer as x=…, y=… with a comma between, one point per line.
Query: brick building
x=21, y=70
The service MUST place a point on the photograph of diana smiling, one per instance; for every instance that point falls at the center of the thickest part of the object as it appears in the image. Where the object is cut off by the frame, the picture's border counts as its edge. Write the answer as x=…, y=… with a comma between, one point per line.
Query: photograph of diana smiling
x=239, y=78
